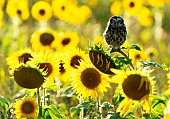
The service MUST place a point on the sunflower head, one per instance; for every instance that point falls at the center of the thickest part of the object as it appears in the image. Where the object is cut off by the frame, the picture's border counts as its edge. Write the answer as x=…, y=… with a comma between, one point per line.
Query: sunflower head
x=74, y=57
x=28, y=76
x=44, y=40
x=26, y=108
x=101, y=60
x=67, y=41
x=22, y=56
x=41, y=10
x=87, y=81
x=136, y=87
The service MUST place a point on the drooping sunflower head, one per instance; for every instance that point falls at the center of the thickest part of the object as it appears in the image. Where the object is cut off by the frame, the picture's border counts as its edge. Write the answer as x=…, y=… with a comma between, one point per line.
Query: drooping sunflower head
x=132, y=6
x=21, y=56
x=48, y=62
x=74, y=57
x=87, y=81
x=28, y=75
x=41, y=10
x=68, y=41
x=44, y=40
x=101, y=59
x=17, y=8
x=26, y=108
x=136, y=86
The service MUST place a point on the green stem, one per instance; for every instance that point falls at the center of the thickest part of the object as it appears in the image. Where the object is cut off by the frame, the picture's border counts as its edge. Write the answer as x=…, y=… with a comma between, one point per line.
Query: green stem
x=39, y=103
x=82, y=109
x=124, y=54
x=99, y=107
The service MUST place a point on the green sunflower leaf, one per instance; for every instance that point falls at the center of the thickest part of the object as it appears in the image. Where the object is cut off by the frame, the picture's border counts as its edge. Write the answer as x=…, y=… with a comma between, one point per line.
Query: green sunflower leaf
x=107, y=106
x=135, y=46
x=74, y=111
x=154, y=64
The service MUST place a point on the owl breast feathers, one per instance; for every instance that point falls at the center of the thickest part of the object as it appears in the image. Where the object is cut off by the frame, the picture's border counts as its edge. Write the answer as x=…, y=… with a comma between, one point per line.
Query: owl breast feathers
x=115, y=33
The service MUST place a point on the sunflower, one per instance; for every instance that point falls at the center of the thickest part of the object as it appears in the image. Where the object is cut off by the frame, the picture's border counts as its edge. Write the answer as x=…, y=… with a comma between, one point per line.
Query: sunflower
x=18, y=8
x=21, y=56
x=41, y=10
x=152, y=52
x=132, y=6
x=2, y=3
x=156, y=3
x=87, y=81
x=136, y=87
x=68, y=41
x=74, y=57
x=44, y=40
x=62, y=9
x=48, y=62
x=137, y=55
x=26, y=108
x=99, y=40
x=116, y=7
x=145, y=17
x=28, y=75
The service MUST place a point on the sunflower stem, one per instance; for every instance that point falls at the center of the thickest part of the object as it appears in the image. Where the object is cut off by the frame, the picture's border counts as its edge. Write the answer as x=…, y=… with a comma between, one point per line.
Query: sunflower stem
x=82, y=109
x=123, y=53
x=39, y=104
x=99, y=107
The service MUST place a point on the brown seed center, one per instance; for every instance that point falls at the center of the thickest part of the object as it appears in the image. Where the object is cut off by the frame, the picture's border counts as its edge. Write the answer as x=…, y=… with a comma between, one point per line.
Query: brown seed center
x=132, y=4
x=90, y=78
x=46, y=38
x=47, y=67
x=27, y=108
x=42, y=12
x=75, y=61
x=131, y=87
x=24, y=58
x=65, y=41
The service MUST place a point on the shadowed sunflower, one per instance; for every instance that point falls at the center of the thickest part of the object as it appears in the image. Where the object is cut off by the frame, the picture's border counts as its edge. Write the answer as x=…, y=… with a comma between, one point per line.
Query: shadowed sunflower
x=48, y=62
x=26, y=108
x=67, y=41
x=132, y=6
x=18, y=8
x=87, y=81
x=21, y=56
x=28, y=75
x=136, y=87
x=41, y=10
x=44, y=40
x=74, y=57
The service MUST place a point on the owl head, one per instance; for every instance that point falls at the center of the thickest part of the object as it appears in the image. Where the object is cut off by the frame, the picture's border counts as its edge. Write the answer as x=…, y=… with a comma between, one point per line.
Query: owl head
x=116, y=22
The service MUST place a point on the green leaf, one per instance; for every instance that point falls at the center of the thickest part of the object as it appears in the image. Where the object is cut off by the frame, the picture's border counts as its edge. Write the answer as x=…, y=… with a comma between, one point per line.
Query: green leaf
x=67, y=90
x=83, y=105
x=53, y=87
x=135, y=46
x=52, y=112
x=154, y=64
x=117, y=99
x=74, y=111
x=3, y=104
x=107, y=105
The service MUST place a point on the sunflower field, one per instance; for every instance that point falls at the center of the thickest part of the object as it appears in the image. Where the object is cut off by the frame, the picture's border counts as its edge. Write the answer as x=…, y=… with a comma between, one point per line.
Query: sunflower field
x=84, y=59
